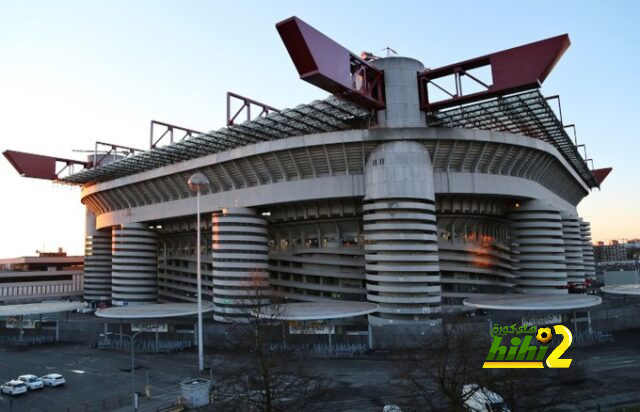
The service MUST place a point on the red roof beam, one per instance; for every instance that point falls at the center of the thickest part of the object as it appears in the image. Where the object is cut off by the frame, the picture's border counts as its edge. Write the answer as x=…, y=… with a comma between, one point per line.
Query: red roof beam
x=513, y=70
x=38, y=166
x=600, y=174
x=326, y=64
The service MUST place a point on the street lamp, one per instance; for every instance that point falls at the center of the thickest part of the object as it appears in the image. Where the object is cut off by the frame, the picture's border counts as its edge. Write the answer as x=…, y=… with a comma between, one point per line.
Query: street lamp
x=131, y=338
x=197, y=183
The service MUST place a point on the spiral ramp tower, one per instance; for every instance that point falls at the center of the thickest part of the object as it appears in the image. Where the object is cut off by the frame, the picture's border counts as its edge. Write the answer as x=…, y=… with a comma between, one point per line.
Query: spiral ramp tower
x=134, y=267
x=587, y=250
x=240, y=263
x=542, y=267
x=401, y=248
x=573, y=248
x=97, y=263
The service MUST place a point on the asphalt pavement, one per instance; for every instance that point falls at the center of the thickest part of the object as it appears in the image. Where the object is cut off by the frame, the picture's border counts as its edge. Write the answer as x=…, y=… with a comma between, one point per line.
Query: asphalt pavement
x=101, y=380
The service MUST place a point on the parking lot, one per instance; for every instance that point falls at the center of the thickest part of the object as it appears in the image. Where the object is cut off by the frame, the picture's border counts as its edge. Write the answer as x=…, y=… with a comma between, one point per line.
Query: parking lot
x=100, y=379
x=92, y=376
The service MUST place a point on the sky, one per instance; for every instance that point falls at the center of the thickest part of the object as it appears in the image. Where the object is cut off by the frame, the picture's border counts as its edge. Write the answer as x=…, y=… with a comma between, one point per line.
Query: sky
x=72, y=73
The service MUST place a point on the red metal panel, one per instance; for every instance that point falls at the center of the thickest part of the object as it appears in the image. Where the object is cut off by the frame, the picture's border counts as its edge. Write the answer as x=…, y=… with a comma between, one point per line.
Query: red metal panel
x=326, y=64
x=36, y=166
x=513, y=70
x=600, y=174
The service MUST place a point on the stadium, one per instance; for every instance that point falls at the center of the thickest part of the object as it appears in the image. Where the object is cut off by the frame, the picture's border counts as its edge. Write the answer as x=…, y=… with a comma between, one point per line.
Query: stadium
x=410, y=188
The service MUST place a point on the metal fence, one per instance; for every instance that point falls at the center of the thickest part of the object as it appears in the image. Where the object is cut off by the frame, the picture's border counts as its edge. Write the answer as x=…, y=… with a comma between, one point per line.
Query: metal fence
x=588, y=338
x=145, y=345
x=25, y=340
x=322, y=350
x=107, y=404
x=121, y=402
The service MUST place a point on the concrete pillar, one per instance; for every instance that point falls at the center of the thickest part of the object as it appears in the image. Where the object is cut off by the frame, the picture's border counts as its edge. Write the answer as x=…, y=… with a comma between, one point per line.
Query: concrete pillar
x=539, y=248
x=134, y=265
x=401, y=249
x=587, y=250
x=240, y=263
x=97, y=262
x=572, y=247
x=401, y=92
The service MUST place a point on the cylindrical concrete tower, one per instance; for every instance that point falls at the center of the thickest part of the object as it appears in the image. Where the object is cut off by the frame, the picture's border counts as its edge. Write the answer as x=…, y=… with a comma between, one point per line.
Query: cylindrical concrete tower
x=401, y=249
x=240, y=263
x=572, y=247
x=587, y=250
x=401, y=92
x=134, y=265
x=538, y=234
x=97, y=262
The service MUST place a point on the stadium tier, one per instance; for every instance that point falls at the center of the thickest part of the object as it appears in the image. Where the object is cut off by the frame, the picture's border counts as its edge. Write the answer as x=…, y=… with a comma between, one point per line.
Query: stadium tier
x=380, y=193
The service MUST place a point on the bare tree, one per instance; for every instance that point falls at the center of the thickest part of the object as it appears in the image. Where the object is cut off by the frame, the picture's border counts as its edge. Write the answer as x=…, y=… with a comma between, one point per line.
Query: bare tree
x=439, y=365
x=271, y=376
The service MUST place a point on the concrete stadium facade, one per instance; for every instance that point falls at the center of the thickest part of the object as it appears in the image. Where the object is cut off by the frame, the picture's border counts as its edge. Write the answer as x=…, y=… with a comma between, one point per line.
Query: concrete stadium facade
x=411, y=217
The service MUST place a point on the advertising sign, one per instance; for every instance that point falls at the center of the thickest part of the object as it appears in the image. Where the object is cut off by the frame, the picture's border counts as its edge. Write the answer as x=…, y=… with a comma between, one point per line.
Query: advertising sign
x=14, y=323
x=144, y=327
x=311, y=328
x=541, y=319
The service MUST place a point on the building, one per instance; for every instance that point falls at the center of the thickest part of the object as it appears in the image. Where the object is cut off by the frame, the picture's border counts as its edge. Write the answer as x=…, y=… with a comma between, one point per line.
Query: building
x=50, y=275
x=381, y=192
x=615, y=252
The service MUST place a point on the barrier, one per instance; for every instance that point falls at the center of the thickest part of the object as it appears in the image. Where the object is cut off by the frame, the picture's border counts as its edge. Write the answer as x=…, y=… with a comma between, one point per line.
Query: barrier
x=145, y=345
x=25, y=340
x=322, y=349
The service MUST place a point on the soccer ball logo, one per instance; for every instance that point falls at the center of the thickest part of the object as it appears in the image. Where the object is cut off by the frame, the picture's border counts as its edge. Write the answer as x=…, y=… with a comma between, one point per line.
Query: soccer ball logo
x=544, y=335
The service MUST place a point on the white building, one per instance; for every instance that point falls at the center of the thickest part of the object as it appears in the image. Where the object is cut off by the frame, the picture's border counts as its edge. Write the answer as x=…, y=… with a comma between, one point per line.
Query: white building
x=43, y=277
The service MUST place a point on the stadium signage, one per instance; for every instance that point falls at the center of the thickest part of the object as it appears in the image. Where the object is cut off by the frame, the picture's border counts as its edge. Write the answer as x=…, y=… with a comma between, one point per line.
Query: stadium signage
x=522, y=354
x=541, y=319
x=311, y=328
x=15, y=323
x=143, y=327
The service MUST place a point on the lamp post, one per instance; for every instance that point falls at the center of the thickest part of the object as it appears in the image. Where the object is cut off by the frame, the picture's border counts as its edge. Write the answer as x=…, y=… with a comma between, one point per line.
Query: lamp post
x=197, y=183
x=131, y=338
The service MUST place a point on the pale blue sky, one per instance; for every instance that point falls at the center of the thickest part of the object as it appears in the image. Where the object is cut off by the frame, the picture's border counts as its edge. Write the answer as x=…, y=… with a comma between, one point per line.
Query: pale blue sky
x=75, y=72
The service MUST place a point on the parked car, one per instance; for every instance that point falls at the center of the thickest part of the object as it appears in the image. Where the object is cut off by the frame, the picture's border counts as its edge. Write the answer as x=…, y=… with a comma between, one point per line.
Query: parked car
x=13, y=387
x=479, y=399
x=87, y=309
x=32, y=381
x=53, y=379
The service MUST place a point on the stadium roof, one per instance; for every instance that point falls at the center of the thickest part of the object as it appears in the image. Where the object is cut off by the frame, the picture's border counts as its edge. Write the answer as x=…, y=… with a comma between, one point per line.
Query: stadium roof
x=39, y=308
x=153, y=311
x=531, y=302
x=317, y=310
x=525, y=113
x=320, y=116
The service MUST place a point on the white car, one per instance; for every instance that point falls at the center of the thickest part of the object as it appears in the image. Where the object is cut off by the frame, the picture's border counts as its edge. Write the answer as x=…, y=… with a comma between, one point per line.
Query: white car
x=479, y=399
x=32, y=381
x=13, y=387
x=53, y=379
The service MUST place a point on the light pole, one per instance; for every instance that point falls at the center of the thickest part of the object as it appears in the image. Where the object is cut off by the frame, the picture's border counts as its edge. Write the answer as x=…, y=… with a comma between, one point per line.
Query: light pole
x=131, y=338
x=197, y=183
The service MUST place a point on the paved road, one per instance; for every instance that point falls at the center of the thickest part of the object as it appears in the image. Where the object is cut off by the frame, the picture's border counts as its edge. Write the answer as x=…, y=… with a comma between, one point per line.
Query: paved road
x=612, y=374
